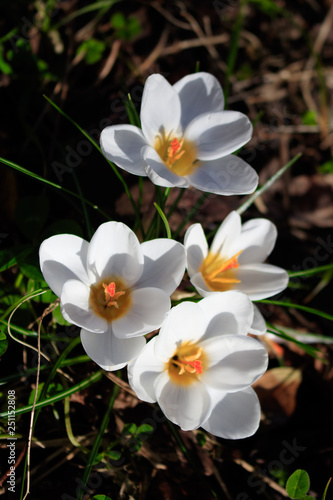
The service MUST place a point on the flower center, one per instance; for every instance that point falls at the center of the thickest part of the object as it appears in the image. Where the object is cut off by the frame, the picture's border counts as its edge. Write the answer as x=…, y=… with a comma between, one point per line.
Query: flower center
x=186, y=364
x=110, y=301
x=219, y=273
x=179, y=156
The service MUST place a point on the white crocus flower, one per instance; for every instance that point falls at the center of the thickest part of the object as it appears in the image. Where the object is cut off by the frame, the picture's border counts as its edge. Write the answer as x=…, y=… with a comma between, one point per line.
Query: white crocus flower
x=201, y=365
x=114, y=288
x=186, y=139
x=234, y=261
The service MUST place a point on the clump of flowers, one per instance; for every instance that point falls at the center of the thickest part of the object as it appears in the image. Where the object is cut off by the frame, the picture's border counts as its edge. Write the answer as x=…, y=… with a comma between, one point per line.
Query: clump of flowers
x=201, y=364
x=186, y=139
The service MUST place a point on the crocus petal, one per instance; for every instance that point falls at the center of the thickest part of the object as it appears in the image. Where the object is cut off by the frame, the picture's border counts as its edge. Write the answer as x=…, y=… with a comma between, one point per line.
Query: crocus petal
x=235, y=416
x=196, y=248
x=158, y=172
x=147, y=312
x=218, y=134
x=76, y=307
x=63, y=257
x=256, y=240
x=227, y=313
x=226, y=176
x=122, y=144
x=235, y=362
x=199, y=93
x=160, y=108
x=187, y=406
x=185, y=322
x=164, y=264
x=227, y=235
x=200, y=285
x=260, y=281
x=108, y=351
x=114, y=250
x=258, y=326
x=143, y=371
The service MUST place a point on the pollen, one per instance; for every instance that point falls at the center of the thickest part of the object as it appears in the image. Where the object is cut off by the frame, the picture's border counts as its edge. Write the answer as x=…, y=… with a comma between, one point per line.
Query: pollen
x=179, y=155
x=110, y=301
x=186, y=364
x=220, y=274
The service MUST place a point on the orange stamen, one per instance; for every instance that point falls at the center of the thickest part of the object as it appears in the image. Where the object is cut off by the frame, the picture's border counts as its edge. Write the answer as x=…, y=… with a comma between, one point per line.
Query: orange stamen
x=190, y=363
x=219, y=266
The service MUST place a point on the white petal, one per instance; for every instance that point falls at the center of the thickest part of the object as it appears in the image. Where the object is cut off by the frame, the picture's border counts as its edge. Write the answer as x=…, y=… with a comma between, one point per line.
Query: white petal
x=227, y=176
x=218, y=134
x=227, y=313
x=199, y=93
x=160, y=108
x=122, y=144
x=235, y=362
x=258, y=326
x=75, y=304
x=187, y=407
x=114, y=250
x=164, y=264
x=257, y=240
x=108, y=351
x=158, y=172
x=200, y=285
x=63, y=257
x=235, y=416
x=196, y=248
x=227, y=235
x=184, y=323
x=147, y=312
x=143, y=371
x=260, y=281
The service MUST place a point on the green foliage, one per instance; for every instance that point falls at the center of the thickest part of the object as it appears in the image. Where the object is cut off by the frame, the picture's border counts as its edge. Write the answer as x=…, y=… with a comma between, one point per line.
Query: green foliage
x=310, y=118
x=93, y=50
x=201, y=438
x=125, y=28
x=3, y=341
x=327, y=167
x=298, y=484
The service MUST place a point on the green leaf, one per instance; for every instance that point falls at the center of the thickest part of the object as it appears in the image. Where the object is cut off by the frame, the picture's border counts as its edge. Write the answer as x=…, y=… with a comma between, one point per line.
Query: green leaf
x=144, y=431
x=126, y=28
x=12, y=256
x=310, y=118
x=58, y=317
x=325, y=492
x=3, y=343
x=298, y=484
x=129, y=429
x=201, y=438
x=327, y=167
x=93, y=50
x=101, y=497
x=113, y=454
x=31, y=271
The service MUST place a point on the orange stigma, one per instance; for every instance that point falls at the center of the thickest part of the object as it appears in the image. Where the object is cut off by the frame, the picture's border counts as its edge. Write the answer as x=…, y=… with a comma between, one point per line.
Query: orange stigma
x=111, y=296
x=174, y=151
